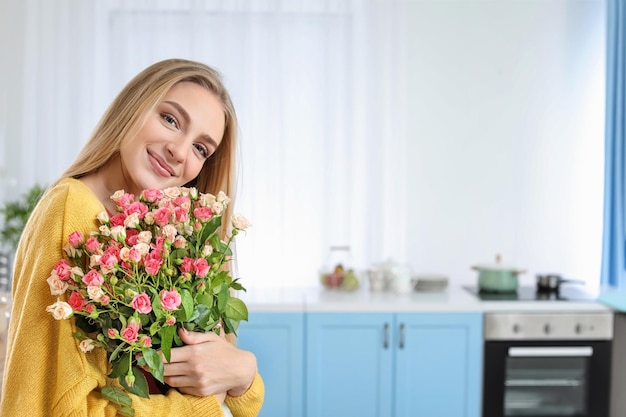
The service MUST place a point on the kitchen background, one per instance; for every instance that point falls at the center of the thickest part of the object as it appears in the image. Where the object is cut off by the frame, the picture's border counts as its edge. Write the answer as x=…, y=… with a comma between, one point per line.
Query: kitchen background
x=436, y=132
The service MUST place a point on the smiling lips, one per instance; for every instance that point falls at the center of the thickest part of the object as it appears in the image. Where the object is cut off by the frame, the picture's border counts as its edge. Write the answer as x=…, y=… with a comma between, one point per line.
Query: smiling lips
x=160, y=166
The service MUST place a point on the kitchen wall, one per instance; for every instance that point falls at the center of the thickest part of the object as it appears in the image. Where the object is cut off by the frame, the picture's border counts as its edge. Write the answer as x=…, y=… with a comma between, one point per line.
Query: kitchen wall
x=503, y=144
x=505, y=135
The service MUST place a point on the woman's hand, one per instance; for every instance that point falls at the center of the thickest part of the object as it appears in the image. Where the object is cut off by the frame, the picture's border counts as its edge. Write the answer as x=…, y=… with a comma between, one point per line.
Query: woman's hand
x=209, y=365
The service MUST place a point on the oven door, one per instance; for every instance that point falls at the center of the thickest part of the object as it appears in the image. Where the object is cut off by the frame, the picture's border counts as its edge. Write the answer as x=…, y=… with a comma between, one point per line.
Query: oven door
x=546, y=378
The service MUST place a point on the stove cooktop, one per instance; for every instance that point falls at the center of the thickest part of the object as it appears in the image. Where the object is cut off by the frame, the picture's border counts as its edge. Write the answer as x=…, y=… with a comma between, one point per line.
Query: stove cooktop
x=530, y=293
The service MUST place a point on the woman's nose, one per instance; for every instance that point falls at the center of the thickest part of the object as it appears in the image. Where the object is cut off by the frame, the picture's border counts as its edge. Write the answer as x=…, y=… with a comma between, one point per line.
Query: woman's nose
x=176, y=152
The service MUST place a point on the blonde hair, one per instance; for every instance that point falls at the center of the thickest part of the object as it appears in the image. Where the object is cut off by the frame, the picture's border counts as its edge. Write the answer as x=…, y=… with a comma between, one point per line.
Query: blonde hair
x=128, y=111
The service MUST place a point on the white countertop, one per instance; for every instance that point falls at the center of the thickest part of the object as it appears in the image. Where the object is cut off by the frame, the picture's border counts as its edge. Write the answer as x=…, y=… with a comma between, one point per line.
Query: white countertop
x=454, y=299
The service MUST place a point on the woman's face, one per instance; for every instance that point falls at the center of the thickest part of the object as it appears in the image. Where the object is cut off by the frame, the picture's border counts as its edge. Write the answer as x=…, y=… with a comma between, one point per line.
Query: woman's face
x=175, y=141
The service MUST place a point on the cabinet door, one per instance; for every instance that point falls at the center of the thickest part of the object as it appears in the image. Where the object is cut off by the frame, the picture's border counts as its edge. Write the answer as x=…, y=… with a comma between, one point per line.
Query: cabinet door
x=438, y=365
x=348, y=365
x=277, y=340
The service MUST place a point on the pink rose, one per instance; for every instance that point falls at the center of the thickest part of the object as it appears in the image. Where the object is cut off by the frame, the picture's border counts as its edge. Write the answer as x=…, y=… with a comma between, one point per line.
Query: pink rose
x=92, y=245
x=203, y=213
x=77, y=301
x=152, y=264
x=125, y=200
x=108, y=262
x=152, y=195
x=132, y=237
x=170, y=300
x=162, y=216
x=112, y=333
x=76, y=238
x=63, y=270
x=118, y=220
x=187, y=265
x=181, y=214
x=130, y=332
x=136, y=207
x=141, y=303
x=93, y=278
x=146, y=341
x=201, y=267
x=170, y=321
x=134, y=255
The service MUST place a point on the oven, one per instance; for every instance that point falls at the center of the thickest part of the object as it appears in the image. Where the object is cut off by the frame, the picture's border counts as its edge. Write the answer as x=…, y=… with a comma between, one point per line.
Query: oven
x=547, y=365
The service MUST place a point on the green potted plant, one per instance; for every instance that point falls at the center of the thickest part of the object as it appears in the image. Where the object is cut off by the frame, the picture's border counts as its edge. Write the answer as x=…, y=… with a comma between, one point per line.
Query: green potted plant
x=15, y=214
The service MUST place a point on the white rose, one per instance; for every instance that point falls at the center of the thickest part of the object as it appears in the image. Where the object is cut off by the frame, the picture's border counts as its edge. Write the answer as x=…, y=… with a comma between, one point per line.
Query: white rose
x=169, y=231
x=132, y=221
x=57, y=286
x=206, y=200
x=77, y=271
x=60, y=310
x=172, y=192
x=94, y=261
x=145, y=236
x=86, y=345
x=223, y=198
x=207, y=249
x=71, y=251
x=105, y=231
x=124, y=254
x=116, y=196
x=149, y=218
x=240, y=222
x=217, y=208
x=142, y=248
x=103, y=217
x=95, y=292
x=118, y=233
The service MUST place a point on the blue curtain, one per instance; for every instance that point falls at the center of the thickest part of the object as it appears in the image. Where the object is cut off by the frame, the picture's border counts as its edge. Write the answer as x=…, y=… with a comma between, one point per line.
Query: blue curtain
x=614, y=228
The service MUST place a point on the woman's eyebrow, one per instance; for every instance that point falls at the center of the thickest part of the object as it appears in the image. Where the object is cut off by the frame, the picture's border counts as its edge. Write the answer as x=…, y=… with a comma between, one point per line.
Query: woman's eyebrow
x=185, y=116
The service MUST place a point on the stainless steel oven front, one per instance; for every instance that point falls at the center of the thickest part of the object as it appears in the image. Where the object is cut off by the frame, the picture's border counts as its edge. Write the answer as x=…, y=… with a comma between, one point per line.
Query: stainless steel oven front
x=547, y=365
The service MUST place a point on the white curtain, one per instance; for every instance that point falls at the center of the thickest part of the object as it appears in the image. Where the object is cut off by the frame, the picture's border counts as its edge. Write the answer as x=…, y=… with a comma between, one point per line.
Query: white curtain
x=317, y=85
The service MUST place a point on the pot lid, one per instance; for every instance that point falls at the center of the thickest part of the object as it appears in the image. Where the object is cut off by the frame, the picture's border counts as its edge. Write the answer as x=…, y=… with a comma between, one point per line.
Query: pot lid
x=497, y=266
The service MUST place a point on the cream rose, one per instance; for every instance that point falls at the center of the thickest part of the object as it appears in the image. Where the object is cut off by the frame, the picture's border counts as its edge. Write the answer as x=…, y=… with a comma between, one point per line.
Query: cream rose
x=240, y=222
x=57, y=285
x=86, y=345
x=60, y=310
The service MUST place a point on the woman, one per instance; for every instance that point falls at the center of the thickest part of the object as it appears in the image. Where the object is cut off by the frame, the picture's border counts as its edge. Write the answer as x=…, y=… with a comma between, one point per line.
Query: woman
x=173, y=124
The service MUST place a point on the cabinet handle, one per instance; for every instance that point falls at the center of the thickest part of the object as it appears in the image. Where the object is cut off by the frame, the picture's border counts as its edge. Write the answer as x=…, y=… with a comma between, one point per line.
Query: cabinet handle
x=386, y=336
x=401, y=337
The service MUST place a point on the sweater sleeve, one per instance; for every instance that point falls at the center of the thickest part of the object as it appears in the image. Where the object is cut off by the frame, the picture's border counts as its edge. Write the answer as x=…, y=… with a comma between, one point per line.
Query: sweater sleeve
x=46, y=374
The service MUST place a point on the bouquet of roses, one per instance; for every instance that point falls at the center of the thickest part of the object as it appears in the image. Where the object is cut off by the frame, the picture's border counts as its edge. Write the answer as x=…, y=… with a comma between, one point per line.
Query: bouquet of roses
x=156, y=265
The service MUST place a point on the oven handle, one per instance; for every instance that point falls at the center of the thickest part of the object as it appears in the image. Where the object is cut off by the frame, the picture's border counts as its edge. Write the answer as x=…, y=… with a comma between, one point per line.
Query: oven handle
x=549, y=351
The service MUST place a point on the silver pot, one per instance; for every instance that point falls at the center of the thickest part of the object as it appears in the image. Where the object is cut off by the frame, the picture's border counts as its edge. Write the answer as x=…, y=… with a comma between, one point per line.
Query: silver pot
x=552, y=282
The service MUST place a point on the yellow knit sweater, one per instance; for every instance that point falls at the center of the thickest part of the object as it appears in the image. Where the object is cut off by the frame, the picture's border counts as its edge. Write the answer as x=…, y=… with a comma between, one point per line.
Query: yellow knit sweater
x=46, y=374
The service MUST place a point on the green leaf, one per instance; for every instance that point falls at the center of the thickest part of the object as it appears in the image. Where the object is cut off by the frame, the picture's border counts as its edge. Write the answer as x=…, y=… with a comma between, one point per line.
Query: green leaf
x=222, y=297
x=187, y=302
x=154, y=327
x=118, y=349
x=153, y=359
x=116, y=395
x=236, y=309
x=210, y=227
x=167, y=335
x=120, y=366
x=140, y=387
x=205, y=300
x=127, y=411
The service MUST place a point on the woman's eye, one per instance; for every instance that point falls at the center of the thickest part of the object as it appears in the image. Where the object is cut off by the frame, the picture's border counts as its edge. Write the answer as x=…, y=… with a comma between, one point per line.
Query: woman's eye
x=169, y=119
x=202, y=149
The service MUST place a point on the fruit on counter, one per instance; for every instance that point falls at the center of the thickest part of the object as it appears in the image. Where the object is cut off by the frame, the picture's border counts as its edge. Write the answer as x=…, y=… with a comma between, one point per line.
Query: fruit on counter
x=340, y=278
x=350, y=281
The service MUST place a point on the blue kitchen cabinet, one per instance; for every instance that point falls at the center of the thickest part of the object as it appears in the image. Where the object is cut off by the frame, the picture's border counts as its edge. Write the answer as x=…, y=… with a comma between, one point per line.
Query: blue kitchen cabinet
x=349, y=360
x=438, y=367
x=277, y=341
x=393, y=364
